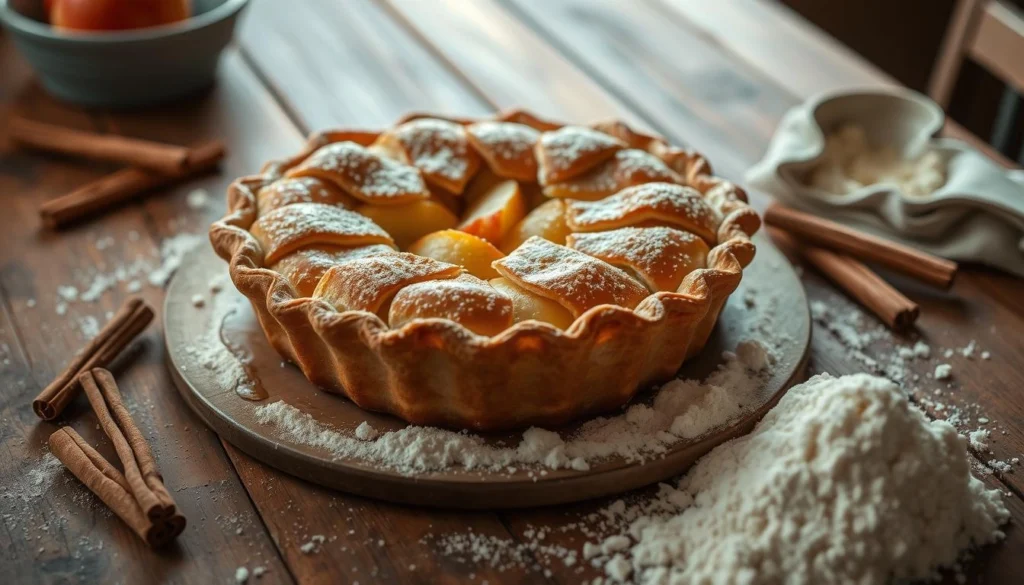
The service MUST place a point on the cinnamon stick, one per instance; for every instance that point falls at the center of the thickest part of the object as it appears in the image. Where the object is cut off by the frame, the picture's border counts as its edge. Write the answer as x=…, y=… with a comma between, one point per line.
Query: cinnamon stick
x=858, y=281
x=927, y=268
x=164, y=158
x=104, y=480
x=140, y=470
x=123, y=185
x=129, y=321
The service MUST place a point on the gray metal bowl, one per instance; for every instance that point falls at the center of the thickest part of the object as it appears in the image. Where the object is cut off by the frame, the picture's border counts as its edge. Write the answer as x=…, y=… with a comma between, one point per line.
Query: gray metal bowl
x=123, y=68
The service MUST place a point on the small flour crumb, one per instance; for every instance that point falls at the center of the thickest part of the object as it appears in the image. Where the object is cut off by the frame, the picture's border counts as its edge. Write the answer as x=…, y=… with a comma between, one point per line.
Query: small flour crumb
x=89, y=326
x=986, y=355
x=241, y=575
x=313, y=544
x=618, y=569
x=197, y=199
x=133, y=286
x=364, y=432
x=68, y=292
x=614, y=544
x=918, y=350
x=968, y=350
x=979, y=439
x=104, y=243
x=943, y=371
x=258, y=572
x=1000, y=466
x=30, y=303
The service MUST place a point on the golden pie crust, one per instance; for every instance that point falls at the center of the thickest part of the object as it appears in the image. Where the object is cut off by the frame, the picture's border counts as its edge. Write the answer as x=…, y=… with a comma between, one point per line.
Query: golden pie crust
x=587, y=262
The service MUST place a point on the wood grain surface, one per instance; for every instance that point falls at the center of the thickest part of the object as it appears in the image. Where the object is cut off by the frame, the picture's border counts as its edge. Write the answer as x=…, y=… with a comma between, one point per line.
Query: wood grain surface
x=715, y=78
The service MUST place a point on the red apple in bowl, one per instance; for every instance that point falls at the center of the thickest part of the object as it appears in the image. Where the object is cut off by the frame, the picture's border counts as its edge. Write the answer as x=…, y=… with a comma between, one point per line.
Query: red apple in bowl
x=115, y=14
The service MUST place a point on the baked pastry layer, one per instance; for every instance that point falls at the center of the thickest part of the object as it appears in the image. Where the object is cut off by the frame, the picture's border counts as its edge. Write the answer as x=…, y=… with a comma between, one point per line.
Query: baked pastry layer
x=487, y=274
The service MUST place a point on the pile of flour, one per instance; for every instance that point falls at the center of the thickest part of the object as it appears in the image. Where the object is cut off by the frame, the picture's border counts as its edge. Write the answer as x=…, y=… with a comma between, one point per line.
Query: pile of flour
x=682, y=409
x=849, y=163
x=844, y=481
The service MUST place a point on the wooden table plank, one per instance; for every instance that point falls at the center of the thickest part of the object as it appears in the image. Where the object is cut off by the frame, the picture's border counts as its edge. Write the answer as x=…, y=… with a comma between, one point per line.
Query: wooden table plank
x=54, y=530
x=338, y=63
x=507, y=61
x=793, y=52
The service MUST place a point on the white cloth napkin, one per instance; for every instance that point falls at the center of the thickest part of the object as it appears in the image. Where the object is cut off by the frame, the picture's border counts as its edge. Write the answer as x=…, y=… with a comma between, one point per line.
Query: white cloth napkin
x=977, y=216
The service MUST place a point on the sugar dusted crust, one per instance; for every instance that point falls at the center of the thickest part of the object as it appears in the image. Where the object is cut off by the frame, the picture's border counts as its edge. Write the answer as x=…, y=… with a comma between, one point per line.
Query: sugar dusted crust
x=435, y=371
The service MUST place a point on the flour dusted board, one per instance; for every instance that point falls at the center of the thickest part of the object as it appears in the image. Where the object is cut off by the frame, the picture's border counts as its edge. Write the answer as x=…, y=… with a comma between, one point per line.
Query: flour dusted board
x=770, y=302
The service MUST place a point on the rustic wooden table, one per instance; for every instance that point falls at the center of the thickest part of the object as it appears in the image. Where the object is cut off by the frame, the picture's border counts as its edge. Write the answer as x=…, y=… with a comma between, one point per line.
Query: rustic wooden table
x=716, y=76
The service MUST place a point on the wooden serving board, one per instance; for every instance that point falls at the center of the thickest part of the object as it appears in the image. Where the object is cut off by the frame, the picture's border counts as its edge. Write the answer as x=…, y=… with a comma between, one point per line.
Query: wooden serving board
x=769, y=306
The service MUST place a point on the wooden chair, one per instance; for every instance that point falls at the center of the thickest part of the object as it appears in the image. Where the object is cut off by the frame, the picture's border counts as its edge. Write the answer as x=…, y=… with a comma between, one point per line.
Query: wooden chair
x=991, y=34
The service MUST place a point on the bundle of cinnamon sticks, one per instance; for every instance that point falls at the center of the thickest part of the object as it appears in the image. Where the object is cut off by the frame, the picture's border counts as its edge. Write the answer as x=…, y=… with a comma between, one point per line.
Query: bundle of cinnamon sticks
x=137, y=495
x=151, y=165
x=838, y=251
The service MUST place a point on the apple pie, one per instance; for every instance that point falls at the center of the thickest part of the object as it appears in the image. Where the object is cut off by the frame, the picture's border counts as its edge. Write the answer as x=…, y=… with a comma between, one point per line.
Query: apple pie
x=487, y=274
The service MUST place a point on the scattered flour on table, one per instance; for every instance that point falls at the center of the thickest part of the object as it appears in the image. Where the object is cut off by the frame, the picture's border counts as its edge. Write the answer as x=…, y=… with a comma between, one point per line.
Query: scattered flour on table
x=172, y=250
x=33, y=483
x=681, y=409
x=844, y=481
x=89, y=326
x=92, y=283
x=913, y=366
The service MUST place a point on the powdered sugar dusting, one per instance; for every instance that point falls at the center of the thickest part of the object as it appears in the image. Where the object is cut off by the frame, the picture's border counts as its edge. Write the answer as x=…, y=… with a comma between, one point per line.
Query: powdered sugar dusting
x=665, y=202
x=680, y=410
x=227, y=368
x=282, y=229
x=562, y=148
x=437, y=147
x=365, y=174
x=505, y=140
x=465, y=300
x=661, y=255
x=364, y=284
x=574, y=279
